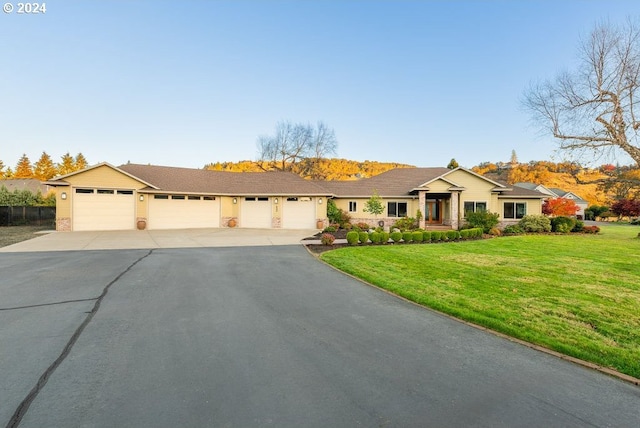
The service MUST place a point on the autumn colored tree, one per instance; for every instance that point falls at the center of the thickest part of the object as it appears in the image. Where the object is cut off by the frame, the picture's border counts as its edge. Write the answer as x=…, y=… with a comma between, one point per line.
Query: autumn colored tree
x=560, y=207
x=80, y=162
x=626, y=208
x=23, y=168
x=453, y=164
x=67, y=166
x=1, y=170
x=44, y=168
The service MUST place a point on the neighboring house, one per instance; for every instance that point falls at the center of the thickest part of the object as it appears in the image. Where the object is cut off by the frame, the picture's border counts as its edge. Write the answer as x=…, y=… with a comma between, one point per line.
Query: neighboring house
x=554, y=192
x=31, y=184
x=104, y=197
x=442, y=195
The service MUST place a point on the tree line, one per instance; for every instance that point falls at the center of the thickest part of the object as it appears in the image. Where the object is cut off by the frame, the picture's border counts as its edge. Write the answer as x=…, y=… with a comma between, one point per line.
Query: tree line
x=44, y=168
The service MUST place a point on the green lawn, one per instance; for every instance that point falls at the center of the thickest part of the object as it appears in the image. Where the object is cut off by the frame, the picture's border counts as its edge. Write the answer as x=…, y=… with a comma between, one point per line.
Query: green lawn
x=576, y=294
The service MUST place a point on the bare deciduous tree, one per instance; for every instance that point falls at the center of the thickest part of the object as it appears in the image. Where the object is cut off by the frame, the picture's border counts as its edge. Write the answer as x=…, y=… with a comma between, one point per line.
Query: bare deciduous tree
x=296, y=147
x=593, y=110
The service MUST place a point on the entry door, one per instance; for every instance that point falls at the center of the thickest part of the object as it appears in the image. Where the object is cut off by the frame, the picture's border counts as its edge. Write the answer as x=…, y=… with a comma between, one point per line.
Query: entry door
x=433, y=211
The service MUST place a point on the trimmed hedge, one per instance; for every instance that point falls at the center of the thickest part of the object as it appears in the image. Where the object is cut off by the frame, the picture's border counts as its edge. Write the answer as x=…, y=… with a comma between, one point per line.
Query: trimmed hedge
x=396, y=236
x=562, y=224
x=426, y=236
x=353, y=237
x=407, y=236
x=363, y=237
x=417, y=236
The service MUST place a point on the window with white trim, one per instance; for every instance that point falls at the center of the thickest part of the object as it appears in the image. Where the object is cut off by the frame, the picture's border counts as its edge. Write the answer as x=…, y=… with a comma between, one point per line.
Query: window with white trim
x=353, y=206
x=396, y=209
x=514, y=210
x=474, y=206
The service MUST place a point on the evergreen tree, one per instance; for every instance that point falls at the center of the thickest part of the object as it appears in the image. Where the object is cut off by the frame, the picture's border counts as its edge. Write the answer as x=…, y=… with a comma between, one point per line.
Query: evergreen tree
x=1, y=170
x=23, y=168
x=44, y=168
x=67, y=166
x=453, y=164
x=80, y=162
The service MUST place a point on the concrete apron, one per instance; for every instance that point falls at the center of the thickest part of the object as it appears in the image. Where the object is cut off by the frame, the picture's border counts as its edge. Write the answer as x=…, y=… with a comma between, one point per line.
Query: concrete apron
x=141, y=239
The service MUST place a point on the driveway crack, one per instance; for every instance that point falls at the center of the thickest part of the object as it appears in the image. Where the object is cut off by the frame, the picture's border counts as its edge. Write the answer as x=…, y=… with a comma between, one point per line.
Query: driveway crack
x=23, y=407
x=49, y=304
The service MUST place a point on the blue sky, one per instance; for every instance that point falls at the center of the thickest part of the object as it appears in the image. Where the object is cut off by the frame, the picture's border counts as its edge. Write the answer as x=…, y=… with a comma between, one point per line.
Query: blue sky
x=186, y=83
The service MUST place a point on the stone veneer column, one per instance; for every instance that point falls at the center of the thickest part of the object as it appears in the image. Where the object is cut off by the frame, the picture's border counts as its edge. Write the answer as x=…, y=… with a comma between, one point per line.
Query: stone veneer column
x=455, y=209
x=422, y=199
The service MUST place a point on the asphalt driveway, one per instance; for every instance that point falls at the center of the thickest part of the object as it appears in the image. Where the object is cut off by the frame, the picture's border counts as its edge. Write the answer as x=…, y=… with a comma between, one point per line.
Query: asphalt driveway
x=262, y=336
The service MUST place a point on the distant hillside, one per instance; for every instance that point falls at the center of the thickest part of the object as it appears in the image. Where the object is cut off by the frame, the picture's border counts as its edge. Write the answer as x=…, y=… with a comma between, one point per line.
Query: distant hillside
x=549, y=174
x=330, y=169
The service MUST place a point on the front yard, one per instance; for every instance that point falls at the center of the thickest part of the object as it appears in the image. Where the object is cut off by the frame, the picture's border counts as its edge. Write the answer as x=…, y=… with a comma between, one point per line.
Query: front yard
x=14, y=234
x=576, y=294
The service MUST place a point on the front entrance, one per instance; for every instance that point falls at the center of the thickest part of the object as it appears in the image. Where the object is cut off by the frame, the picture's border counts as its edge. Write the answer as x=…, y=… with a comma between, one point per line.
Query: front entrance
x=433, y=211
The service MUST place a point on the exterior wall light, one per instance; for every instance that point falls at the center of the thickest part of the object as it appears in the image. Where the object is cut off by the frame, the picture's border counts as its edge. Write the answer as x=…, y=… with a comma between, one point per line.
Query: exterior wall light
x=141, y=198
x=235, y=200
x=319, y=200
x=275, y=200
x=63, y=196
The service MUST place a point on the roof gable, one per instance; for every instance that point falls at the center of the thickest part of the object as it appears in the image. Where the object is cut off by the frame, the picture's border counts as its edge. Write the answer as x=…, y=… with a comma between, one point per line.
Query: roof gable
x=100, y=175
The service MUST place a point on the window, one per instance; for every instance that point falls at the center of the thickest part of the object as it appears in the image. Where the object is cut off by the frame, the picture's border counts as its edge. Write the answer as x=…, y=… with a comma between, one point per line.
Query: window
x=292, y=199
x=160, y=196
x=208, y=198
x=249, y=199
x=474, y=206
x=84, y=190
x=194, y=198
x=263, y=199
x=177, y=197
x=353, y=206
x=397, y=209
x=514, y=209
x=125, y=192
x=105, y=192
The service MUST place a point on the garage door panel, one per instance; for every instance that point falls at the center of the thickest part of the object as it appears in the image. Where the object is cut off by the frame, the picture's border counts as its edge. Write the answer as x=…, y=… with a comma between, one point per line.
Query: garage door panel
x=255, y=213
x=299, y=213
x=107, y=210
x=183, y=213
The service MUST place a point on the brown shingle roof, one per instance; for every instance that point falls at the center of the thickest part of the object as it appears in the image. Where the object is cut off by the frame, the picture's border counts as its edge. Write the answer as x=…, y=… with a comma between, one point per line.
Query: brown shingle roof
x=188, y=180
x=393, y=183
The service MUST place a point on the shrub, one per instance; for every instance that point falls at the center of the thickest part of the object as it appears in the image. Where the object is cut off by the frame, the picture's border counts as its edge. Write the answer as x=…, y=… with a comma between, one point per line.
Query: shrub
x=329, y=229
x=406, y=223
x=535, y=223
x=384, y=237
x=327, y=239
x=464, y=233
x=512, y=229
x=562, y=224
x=375, y=237
x=452, y=235
x=436, y=236
x=396, y=236
x=363, y=226
x=352, y=237
x=579, y=227
x=363, y=237
x=484, y=219
x=407, y=236
x=591, y=229
x=495, y=231
x=417, y=236
x=426, y=236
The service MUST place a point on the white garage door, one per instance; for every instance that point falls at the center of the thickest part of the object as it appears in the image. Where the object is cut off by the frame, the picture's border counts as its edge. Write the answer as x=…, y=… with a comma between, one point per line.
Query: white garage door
x=103, y=209
x=183, y=212
x=299, y=213
x=255, y=213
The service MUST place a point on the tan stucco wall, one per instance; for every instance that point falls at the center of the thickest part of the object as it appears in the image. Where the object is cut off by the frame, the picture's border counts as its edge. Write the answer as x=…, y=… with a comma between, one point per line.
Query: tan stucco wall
x=104, y=176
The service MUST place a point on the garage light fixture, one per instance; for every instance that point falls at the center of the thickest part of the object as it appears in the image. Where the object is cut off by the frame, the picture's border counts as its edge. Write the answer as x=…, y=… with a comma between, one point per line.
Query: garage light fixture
x=63, y=196
x=275, y=200
x=319, y=200
x=235, y=200
x=141, y=198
